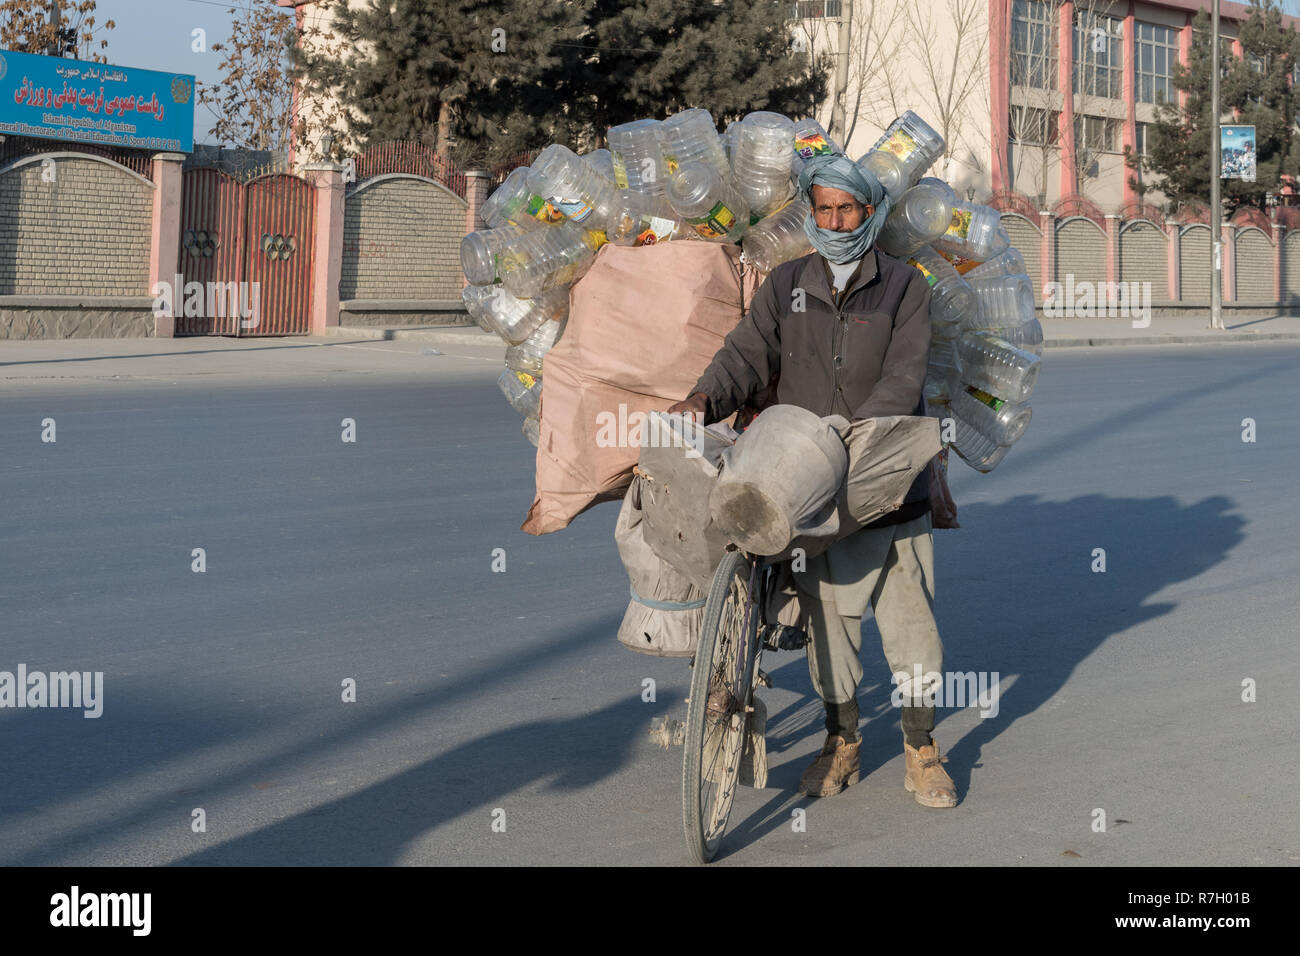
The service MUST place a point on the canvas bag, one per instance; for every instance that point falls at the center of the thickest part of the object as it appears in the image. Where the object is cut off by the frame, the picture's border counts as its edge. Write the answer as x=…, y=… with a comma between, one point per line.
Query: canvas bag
x=644, y=323
x=664, y=614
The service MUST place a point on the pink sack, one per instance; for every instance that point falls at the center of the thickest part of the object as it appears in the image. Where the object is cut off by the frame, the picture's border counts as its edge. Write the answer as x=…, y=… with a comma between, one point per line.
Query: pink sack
x=644, y=323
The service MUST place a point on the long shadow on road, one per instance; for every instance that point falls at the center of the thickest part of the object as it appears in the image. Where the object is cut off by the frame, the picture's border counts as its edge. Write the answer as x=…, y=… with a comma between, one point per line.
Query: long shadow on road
x=1015, y=594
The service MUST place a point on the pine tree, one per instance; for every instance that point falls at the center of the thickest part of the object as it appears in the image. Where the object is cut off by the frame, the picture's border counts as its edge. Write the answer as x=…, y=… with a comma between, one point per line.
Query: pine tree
x=1179, y=146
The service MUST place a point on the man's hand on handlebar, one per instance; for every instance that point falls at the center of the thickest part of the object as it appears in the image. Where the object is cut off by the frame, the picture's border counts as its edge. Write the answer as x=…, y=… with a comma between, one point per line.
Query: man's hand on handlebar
x=697, y=405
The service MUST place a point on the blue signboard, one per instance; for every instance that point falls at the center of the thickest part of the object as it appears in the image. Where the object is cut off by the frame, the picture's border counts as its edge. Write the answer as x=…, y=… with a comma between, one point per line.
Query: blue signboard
x=55, y=98
x=1237, y=152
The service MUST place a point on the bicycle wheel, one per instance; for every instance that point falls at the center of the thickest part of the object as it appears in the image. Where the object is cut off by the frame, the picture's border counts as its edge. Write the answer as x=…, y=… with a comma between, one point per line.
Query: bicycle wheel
x=716, y=714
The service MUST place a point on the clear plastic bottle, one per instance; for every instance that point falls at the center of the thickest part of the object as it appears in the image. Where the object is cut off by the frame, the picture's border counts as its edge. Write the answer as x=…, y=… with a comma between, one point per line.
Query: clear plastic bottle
x=546, y=258
x=887, y=168
x=522, y=390
x=975, y=232
x=572, y=186
x=635, y=148
x=760, y=161
x=920, y=216
x=994, y=365
x=977, y=451
x=1007, y=262
x=640, y=219
x=779, y=237
x=512, y=201
x=480, y=252
x=708, y=202
x=1005, y=300
x=811, y=140
x=602, y=161
x=532, y=430
x=1027, y=335
x=1000, y=421
x=914, y=142
x=528, y=355
x=690, y=136
x=951, y=298
x=514, y=319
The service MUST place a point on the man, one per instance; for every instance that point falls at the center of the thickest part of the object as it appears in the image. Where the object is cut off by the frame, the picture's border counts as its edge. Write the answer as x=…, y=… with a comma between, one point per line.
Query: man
x=847, y=329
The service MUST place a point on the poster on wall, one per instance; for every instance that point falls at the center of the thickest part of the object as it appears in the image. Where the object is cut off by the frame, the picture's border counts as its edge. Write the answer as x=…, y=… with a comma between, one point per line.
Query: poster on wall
x=1237, y=153
x=55, y=98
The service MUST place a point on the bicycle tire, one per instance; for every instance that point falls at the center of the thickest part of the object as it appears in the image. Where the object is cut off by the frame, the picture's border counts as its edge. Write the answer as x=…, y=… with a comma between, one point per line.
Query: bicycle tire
x=722, y=636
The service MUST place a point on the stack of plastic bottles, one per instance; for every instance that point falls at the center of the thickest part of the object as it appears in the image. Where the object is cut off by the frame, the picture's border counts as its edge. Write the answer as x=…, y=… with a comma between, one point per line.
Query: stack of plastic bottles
x=678, y=179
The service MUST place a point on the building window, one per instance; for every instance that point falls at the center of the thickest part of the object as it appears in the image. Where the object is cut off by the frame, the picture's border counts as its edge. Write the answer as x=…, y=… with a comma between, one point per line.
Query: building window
x=1031, y=126
x=1098, y=55
x=816, y=9
x=1033, y=44
x=1097, y=134
x=1199, y=40
x=1141, y=145
x=1157, y=52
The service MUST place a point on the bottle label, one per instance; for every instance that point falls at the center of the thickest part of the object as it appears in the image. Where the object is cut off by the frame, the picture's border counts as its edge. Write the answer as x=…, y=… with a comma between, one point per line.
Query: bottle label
x=985, y=398
x=670, y=163
x=812, y=144
x=543, y=211
x=900, y=144
x=656, y=230
x=574, y=210
x=960, y=263
x=930, y=277
x=716, y=223
x=620, y=170
x=960, y=226
x=526, y=380
x=755, y=217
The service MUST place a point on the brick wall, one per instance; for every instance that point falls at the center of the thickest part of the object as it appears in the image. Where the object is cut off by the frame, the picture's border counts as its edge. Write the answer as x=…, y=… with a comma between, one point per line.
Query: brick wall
x=1254, y=266
x=1081, y=250
x=1028, y=241
x=1194, y=265
x=1291, y=266
x=1143, y=257
x=401, y=240
x=86, y=232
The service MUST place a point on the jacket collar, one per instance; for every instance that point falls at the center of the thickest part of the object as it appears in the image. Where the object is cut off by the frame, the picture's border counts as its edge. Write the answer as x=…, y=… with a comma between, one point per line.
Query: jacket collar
x=815, y=277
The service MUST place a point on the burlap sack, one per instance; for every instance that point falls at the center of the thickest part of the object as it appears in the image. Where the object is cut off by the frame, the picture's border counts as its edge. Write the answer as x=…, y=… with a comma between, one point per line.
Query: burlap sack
x=643, y=325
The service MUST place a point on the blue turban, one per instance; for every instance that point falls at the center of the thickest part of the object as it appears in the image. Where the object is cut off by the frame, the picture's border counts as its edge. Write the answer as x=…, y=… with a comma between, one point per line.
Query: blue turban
x=840, y=172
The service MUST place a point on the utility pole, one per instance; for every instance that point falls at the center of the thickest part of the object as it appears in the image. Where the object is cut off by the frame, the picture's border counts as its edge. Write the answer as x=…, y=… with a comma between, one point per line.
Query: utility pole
x=839, y=125
x=1216, y=209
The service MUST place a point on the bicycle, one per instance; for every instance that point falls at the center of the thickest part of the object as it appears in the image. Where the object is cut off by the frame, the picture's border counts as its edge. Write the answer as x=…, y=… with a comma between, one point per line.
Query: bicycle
x=725, y=672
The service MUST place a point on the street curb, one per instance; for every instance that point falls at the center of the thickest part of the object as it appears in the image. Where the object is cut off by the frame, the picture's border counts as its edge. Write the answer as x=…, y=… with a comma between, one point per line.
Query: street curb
x=1173, y=340
x=447, y=335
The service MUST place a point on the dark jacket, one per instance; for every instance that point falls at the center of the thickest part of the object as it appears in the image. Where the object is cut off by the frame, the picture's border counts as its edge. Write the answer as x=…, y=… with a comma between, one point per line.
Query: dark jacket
x=863, y=356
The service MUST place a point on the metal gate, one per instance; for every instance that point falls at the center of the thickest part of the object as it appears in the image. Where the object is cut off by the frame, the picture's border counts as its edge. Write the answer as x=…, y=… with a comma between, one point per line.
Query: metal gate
x=246, y=255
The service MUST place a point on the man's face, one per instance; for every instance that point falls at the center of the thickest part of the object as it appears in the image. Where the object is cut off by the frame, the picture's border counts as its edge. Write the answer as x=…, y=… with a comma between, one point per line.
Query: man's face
x=837, y=210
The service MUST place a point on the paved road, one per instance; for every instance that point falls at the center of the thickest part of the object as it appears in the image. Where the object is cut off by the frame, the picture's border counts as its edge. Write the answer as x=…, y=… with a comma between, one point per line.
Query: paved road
x=479, y=691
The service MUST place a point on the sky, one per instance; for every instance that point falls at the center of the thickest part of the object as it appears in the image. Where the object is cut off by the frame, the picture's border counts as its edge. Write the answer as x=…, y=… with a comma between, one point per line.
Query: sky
x=158, y=35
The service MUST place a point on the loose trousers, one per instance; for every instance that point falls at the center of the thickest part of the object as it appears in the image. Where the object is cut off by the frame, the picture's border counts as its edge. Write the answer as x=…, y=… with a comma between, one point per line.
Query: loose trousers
x=890, y=569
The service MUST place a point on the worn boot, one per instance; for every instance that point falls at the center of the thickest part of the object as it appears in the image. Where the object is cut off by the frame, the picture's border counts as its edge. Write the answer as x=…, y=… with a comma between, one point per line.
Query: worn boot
x=926, y=778
x=834, y=769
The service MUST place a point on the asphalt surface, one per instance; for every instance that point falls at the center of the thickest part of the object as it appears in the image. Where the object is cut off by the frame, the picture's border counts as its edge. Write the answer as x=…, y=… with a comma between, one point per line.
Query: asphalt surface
x=485, y=696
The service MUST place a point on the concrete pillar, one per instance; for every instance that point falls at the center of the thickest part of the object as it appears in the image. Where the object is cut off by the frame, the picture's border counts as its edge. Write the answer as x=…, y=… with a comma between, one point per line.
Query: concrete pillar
x=1174, y=232
x=1000, y=94
x=165, y=233
x=328, y=263
x=1130, y=97
x=1112, y=247
x=1065, y=82
x=1047, y=223
x=1229, y=234
x=1279, y=233
x=478, y=183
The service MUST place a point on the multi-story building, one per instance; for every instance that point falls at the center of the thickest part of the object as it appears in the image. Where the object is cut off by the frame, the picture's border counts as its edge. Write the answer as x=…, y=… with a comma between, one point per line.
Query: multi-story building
x=1036, y=97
